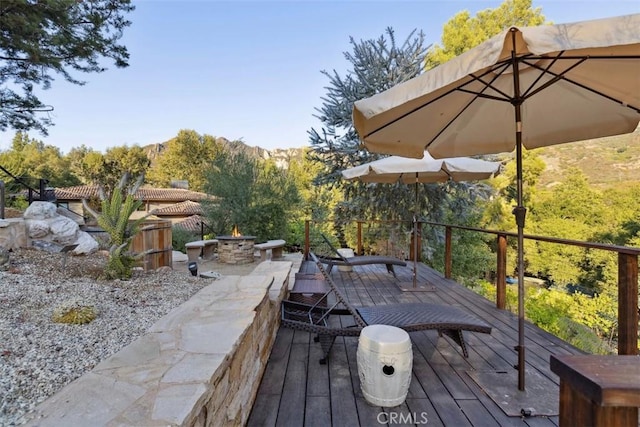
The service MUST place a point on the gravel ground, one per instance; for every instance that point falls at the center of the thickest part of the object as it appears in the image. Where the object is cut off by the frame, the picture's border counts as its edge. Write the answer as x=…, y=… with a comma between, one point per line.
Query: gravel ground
x=37, y=356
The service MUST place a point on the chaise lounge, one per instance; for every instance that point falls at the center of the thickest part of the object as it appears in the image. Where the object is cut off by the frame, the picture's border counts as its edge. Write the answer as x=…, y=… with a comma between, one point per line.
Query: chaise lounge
x=340, y=260
x=447, y=320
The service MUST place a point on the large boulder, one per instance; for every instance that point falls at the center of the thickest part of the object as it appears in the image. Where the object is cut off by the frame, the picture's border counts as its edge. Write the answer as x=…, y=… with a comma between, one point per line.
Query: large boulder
x=64, y=230
x=41, y=210
x=77, y=218
x=86, y=244
x=45, y=224
x=38, y=229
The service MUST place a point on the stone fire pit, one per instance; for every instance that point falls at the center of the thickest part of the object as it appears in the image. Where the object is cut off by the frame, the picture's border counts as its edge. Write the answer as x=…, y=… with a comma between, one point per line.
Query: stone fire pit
x=235, y=249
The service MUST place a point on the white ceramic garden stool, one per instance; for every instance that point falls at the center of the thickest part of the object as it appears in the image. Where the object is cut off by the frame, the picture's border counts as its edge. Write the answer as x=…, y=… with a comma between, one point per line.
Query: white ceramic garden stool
x=385, y=360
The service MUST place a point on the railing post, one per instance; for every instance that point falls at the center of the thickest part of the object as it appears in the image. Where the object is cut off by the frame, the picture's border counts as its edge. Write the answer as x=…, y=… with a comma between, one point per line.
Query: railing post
x=359, y=244
x=1, y=199
x=448, y=256
x=501, y=272
x=627, y=304
x=42, y=187
x=416, y=246
x=306, y=239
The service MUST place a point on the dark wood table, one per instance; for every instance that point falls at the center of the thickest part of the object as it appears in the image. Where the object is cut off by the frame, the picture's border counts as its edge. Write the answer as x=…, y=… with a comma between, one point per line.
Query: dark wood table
x=598, y=390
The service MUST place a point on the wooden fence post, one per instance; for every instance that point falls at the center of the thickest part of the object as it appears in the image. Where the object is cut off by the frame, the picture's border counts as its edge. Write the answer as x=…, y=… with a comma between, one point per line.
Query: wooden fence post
x=501, y=272
x=627, y=304
x=306, y=239
x=448, y=256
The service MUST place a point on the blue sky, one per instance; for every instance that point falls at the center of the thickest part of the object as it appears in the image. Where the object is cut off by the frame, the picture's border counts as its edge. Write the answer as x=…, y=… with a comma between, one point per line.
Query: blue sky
x=244, y=70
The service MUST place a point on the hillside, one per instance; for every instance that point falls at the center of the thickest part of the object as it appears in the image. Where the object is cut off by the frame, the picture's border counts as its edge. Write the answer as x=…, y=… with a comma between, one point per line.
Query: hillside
x=282, y=157
x=610, y=161
x=607, y=162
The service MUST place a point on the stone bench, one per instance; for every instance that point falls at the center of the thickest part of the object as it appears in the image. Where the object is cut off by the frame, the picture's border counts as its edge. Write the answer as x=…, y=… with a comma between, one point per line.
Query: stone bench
x=204, y=247
x=275, y=246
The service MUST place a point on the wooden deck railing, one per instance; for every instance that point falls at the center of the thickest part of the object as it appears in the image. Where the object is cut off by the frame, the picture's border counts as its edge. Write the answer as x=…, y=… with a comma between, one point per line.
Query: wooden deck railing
x=627, y=273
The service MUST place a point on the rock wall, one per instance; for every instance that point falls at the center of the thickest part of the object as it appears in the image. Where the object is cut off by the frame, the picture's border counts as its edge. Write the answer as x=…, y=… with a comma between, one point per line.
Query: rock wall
x=13, y=234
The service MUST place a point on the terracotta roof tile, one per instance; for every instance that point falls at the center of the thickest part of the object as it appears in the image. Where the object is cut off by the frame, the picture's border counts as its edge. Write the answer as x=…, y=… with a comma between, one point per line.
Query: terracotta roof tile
x=183, y=208
x=77, y=192
x=192, y=224
x=175, y=194
x=144, y=193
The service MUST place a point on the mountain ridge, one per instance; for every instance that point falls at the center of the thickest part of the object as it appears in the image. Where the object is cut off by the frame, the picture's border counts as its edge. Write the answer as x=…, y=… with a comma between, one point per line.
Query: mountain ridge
x=281, y=156
x=606, y=162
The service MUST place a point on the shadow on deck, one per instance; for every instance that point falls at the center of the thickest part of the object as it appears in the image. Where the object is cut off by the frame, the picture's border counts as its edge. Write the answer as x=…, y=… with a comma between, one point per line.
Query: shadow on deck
x=297, y=391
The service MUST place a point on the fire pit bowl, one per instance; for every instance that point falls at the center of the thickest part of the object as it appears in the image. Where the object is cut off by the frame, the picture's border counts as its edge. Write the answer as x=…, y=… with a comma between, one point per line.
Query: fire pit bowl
x=235, y=249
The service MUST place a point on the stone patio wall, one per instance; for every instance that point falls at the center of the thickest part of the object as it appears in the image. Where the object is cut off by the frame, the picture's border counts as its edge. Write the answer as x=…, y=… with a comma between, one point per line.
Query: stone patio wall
x=200, y=365
x=13, y=233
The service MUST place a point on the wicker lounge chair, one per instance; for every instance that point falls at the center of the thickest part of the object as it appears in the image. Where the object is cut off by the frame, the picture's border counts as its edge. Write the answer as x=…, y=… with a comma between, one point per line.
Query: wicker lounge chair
x=447, y=320
x=340, y=260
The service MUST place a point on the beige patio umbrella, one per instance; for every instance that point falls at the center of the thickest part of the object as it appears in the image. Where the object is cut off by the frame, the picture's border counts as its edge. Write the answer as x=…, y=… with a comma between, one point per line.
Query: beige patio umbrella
x=425, y=170
x=526, y=87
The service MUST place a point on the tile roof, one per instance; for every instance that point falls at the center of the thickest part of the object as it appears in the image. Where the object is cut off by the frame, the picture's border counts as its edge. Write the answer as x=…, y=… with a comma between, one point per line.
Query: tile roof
x=192, y=224
x=144, y=193
x=183, y=208
x=145, y=215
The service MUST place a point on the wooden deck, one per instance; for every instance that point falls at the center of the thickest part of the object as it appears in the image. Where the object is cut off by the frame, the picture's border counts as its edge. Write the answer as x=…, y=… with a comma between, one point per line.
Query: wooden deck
x=297, y=391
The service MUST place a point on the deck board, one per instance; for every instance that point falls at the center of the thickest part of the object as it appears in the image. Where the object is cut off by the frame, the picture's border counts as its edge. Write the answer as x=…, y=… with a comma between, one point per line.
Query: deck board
x=292, y=407
x=296, y=390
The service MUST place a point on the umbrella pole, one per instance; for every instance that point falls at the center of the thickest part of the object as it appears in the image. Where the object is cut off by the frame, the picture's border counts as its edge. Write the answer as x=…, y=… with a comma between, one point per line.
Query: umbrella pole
x=415, y=238
x=520, y=213
x=415, y=254
x=413, y=287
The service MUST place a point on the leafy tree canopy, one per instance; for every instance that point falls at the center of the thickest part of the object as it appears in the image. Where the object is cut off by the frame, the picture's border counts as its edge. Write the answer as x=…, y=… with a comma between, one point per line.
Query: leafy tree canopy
x=106, y=170
x=185, y=157
x=377, y=65
x=255, y=195
x=463, y=32
x=40, y=39
x=31, y=160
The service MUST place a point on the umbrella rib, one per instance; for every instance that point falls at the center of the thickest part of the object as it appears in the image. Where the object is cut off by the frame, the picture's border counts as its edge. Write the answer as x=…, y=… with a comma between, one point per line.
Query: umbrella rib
x=546, y=70
x=458, y=88
x=478, y=94
x=562, y=76
x=573, y=57
x=498, y=72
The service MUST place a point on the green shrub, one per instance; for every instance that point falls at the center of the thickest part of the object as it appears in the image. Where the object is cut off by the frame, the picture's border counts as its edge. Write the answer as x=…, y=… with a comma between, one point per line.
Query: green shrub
x=582, y=337
x=488, y=290
x=546, y=307
x=180, y=236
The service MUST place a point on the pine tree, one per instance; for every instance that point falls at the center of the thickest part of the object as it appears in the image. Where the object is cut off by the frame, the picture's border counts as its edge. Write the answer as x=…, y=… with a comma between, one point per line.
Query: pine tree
x=41, y=39
x=376, y=65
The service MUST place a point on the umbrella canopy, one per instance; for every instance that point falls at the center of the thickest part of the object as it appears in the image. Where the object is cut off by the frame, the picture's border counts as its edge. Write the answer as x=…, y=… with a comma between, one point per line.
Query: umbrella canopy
x=427, y=169
x=573, y=82
x=526, y=87
x=413, y=171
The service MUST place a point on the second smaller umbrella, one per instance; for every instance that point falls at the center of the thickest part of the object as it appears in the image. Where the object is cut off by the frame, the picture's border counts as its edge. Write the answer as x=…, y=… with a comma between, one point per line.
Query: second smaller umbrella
x=425, y=170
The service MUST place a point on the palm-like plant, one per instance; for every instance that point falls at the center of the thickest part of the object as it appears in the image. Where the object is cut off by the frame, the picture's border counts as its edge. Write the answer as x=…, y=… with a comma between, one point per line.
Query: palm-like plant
x=114, y=219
